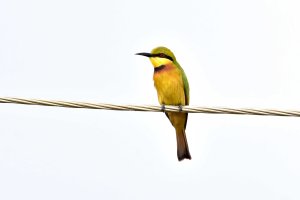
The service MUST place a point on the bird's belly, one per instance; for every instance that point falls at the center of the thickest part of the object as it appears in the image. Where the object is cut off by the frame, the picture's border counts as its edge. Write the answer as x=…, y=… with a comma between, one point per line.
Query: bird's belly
x=170, y=89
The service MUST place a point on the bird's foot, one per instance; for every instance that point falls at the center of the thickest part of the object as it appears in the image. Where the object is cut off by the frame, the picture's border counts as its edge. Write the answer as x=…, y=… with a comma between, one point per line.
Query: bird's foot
x=163, y=107
x=180, y=108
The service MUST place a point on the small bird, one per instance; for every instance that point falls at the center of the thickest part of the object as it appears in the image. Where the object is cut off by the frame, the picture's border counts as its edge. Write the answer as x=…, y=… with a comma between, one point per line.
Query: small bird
x=172, y=88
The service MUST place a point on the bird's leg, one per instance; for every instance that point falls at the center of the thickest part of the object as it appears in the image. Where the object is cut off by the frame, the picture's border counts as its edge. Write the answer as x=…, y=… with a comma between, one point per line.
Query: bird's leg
x=180, y=108
x=163, y=107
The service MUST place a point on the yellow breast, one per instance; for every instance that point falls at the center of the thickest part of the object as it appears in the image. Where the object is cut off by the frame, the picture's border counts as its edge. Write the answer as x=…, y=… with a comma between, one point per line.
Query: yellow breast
x=169, y=86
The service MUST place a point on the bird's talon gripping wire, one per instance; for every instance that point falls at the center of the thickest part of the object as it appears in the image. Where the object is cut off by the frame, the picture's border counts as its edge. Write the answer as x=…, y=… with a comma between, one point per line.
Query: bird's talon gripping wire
x=163, y=107
x=180, y=108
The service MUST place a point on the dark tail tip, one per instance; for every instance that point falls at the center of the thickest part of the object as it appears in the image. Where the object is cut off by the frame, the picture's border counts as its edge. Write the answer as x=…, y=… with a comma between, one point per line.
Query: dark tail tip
x=185, y=155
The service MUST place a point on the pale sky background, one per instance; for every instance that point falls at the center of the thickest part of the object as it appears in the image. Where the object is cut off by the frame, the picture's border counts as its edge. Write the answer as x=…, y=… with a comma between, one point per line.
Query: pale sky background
x=235, y=54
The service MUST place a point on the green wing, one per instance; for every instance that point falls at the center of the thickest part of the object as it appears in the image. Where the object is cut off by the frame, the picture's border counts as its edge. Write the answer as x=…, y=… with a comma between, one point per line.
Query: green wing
x=185, y=84
x=186, y=89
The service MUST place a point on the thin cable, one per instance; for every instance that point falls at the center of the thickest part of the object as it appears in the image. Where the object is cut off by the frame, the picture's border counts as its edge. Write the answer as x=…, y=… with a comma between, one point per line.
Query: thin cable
x=147, y=108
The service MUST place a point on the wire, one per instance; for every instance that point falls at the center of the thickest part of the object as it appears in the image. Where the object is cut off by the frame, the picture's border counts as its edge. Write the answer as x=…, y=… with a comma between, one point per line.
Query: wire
x=149, y=108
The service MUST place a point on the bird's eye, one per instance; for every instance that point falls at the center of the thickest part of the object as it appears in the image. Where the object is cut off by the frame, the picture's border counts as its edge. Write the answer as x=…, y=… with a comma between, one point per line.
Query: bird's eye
x=162, y=55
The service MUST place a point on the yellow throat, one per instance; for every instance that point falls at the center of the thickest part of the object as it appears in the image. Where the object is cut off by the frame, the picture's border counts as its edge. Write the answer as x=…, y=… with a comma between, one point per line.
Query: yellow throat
x=157, y=61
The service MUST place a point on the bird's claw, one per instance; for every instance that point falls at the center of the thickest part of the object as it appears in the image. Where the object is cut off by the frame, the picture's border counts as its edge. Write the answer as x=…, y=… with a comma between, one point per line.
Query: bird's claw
x=163, y=107
x=180, y=108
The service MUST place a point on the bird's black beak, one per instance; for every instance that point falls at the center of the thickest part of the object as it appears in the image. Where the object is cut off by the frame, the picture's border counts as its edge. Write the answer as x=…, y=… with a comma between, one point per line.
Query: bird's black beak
x=144, y=54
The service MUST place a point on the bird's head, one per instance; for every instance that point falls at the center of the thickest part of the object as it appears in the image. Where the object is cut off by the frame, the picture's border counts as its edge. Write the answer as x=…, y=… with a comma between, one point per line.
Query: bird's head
x=160, y=56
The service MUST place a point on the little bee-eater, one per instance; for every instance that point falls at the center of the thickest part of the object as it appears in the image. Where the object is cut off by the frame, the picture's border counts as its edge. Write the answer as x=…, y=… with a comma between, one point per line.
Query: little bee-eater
x=172, y=88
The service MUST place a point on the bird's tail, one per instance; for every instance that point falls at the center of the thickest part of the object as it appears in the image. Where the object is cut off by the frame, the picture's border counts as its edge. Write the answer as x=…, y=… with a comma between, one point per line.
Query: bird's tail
x=182, y=145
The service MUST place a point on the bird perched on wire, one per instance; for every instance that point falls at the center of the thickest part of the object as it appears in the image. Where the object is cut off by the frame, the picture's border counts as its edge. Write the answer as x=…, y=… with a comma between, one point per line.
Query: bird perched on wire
x=172, y=88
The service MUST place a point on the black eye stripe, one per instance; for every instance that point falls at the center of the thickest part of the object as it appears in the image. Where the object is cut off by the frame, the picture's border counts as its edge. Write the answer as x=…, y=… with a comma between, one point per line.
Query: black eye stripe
x=162, y=55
